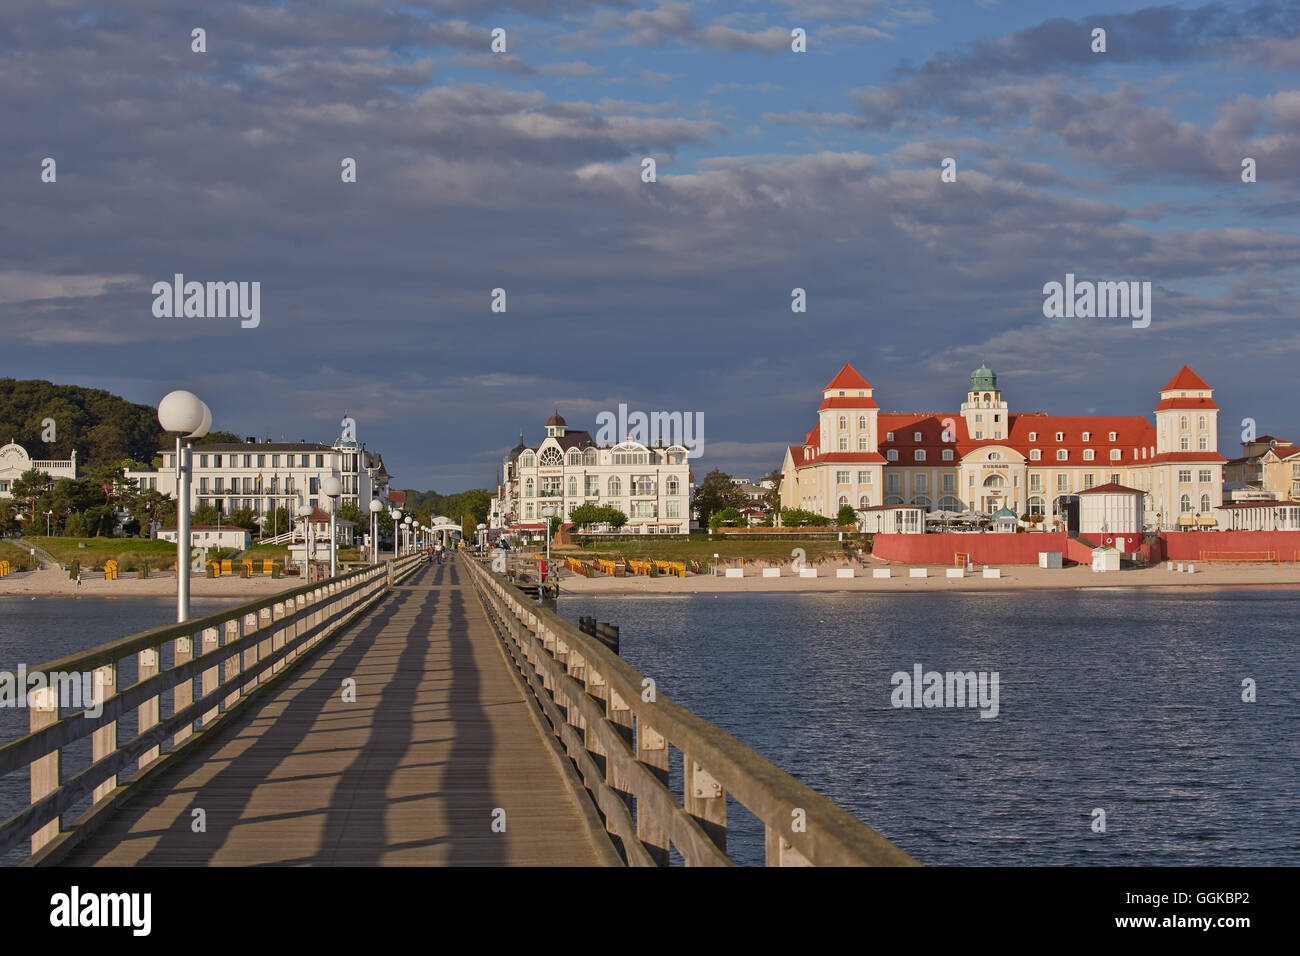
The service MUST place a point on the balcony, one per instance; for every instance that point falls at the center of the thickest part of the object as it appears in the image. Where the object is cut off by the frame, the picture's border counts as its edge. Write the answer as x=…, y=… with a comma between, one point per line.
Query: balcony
x=551, y=493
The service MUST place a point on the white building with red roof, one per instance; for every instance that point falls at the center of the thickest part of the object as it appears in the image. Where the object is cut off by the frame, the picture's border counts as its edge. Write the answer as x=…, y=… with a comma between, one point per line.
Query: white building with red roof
x=985, y=457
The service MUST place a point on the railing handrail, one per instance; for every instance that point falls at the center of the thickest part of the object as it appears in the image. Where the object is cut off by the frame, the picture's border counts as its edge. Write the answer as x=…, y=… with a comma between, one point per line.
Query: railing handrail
x=830, y=835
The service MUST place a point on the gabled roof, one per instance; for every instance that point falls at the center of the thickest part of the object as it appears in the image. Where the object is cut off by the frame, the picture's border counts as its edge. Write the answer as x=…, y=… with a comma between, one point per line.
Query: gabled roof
x=1111, y=488
x=847, y=377
x=1185, y=378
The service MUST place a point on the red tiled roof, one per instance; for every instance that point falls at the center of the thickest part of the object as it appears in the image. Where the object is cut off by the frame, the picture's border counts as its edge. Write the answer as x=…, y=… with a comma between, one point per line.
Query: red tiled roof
x=1185, y=403
x=1282, y=451
x=397, y=497
x=847, y=377
x=1185, y=378
x=851, y=457
x=863, y=402
x=1208, y=457
x=1111, y=488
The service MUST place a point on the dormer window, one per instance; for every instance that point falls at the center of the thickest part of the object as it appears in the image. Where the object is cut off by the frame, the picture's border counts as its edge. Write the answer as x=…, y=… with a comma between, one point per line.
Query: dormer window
x=1060, y=436
x=1112, y=436
x=947, y=454
x=1087, y=436
x=1033, y=436
x=889, y=436
x=842, y=394
x=1062, y=454
x=1035, y=454
x=892, y=454
x=916, y=436
x=1088, y=454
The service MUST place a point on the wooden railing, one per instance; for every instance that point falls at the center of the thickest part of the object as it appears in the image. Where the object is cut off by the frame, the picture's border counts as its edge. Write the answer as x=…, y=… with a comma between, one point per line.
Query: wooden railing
x=617, y=729
x=239, y=651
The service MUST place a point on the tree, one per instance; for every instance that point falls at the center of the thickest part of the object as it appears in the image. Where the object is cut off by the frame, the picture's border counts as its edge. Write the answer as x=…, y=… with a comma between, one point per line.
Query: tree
x=585, y=515
x=350, y=512
x=772, y=497
x=205, y=516
x=469, y=527
x=799, y=518
x=726, y=518
x=8, y=523
x=716, y=492
x=27, y=490
x=613, y=517
x=278, y=521
x=847, y=515
x=151, y=508
x=242, y=518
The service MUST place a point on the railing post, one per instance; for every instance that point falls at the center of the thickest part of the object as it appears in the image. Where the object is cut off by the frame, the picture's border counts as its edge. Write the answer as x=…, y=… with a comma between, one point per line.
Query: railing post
x=43, y=710
x=209, y=680
x=250, y=653
x=779, y=852
x=277, y=639
x=705, y=800
x=183, y=693
x=620, y=715
x=652, y=750
x=148, y=711
x=234, y=663
x=104, y=740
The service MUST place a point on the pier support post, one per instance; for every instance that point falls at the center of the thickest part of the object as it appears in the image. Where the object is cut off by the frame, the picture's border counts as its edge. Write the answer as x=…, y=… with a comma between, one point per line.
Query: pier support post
x=104, y=740
x=43, y=710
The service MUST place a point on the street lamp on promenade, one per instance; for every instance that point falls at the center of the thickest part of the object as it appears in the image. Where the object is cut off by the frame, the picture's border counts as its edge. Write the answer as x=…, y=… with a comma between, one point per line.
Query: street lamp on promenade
x=47, y=522
x=548, y=512
x=376, y=506
x=333, y=488
x=305, y=512
x=395, y=514
x=406, y=541
x=185, y=415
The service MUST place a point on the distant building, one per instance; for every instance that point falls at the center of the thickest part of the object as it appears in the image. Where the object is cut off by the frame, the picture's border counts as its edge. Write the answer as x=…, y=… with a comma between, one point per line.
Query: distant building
x=264, y=475
x=1269, y=469
x=15, y=462
x=212, y=536
x=984, y=457
x=650, y=484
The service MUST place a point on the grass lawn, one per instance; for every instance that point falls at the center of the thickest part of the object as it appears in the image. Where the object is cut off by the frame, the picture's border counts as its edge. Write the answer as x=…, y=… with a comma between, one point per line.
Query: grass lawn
x=128, y=552
x=702, y=549
x=19, y=559
x=273, y=552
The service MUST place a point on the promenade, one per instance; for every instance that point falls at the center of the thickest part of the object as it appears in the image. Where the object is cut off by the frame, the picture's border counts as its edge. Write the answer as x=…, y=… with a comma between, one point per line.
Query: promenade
x=438, y=746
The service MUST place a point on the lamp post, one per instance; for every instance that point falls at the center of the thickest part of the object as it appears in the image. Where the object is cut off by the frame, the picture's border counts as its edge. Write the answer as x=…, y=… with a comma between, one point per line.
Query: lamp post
x=406, y=540
x=376, y=506
x=333, y=488
x=395, y=514
x=548, y=512
x=183, y=414
x=47, y=522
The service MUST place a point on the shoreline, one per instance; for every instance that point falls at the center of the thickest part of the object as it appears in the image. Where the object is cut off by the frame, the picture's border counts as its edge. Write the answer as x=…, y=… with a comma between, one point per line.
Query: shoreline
x=51, y=582
x=1014, y=578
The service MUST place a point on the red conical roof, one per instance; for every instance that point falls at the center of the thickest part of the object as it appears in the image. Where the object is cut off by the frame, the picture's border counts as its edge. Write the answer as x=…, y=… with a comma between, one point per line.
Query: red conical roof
x=847, y=377
x=1185, y=378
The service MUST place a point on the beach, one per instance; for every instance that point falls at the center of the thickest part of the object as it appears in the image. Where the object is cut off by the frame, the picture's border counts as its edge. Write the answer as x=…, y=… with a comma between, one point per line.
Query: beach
x=53, y=582
x=1013, y=577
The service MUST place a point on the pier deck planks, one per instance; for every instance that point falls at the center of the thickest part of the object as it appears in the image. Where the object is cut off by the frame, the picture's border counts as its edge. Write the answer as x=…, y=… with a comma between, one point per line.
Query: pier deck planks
x=410, y=774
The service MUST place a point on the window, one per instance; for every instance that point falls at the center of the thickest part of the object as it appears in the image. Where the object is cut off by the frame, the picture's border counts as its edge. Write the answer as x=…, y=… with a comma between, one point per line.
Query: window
x=1033, y=436
x=1062, y=483
x=979, y=418
x=216, y=461
x=1089, y=454
x=615, y=487
x=1184, y=475
x=528, y=488
x=673, y=509
x=841, y=477
x=1200, y=423
x=844, y=502
x=979, y=436
x=864, y=501
x=591, y=486
x=1088, y=481
x=275, y=461
x=1062, y=455
x=203, y=485
x=526, y=460
x=864, y=477
x=1185, y=503
x=1035, y=482
x=320, y=461
x=1087, y=436
x=1060, y=436
x=949, y=483
x=248, y=461
x=863, y=445
x=575, y=458
x=892, y=454
x=916, y=436
x=889, y=437
x=918, y=455
x=996, y=419
x=862, y=422
x=305, y=461
x=216, y=485
x=674, y=487
x=1036, y=506
x=203, y=461
x=891, y=483
x=573, y=486
x=1035, y=454
x=1205, y=475
x=1112, y=436
x=1114, y=479
x=921, y=483
x=551, y=458
x=1114, y=454
x=1205, y=503
x=1183, y=443
x=844, y=444
x=1182, y=422
x=1202, y=443
x=947, y=454
x=844, y=422
x=924, y=502
x=995, y=456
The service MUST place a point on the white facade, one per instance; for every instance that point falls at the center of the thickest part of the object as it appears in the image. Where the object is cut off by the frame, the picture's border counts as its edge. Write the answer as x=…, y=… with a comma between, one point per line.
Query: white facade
x=649, y=484
x=14, y=462
x=1111, y=508
x=210, y=536
x=261, y=476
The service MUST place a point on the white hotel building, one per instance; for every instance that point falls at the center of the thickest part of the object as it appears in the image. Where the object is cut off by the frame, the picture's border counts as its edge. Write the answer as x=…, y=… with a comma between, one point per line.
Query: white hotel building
x=265, y=475
x=649, y=484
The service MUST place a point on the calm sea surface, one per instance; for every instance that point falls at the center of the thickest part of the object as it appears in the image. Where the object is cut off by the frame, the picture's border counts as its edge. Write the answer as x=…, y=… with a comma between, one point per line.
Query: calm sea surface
x=1124, y=700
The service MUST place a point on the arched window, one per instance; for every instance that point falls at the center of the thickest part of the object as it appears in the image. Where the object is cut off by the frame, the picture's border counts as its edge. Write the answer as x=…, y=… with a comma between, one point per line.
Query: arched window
x=673, y=487
x=1185, y=503
x=1088, y=454
x=862, y=422
x=615, y=487
x=1182, y=422
x=923, y=501
x=528, y=488
x=988, y=399
x=526, y=460
x=864, y=501
x=573, y=487
x=893, y=500
x=1205, y=504
x=994, y=481
x=844, y=422
x=995, y=456
x=575, y=457
x=949, y=503
x=551, y=458
x=590, y=456
x=843, y=501
x=1036, y=506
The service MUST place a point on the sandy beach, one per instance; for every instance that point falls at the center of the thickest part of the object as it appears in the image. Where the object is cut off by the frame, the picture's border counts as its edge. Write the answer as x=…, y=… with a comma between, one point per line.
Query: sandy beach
x=54, y=582
x=1014, y=577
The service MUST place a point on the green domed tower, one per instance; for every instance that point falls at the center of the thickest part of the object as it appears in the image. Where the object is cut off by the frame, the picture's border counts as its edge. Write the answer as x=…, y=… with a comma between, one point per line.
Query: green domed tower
x=984, y=410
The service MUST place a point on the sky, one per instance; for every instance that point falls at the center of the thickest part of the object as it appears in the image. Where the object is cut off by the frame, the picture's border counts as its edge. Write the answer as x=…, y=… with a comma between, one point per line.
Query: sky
x=524, y=171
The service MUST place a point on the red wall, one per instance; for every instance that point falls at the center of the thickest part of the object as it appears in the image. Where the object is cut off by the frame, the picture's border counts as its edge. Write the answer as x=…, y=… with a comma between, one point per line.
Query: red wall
x=1188, y=545
x=984, y=548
